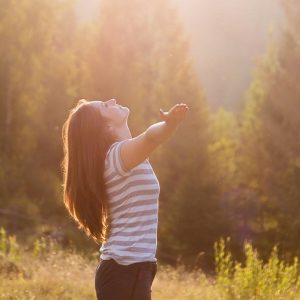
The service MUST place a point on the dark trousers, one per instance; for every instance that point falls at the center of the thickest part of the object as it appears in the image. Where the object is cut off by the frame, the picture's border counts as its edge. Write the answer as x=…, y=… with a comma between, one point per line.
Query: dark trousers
x=119, y=282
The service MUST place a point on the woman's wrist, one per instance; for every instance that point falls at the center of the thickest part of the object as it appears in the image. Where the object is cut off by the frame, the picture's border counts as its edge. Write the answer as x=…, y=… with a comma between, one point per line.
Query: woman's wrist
x=172, y=122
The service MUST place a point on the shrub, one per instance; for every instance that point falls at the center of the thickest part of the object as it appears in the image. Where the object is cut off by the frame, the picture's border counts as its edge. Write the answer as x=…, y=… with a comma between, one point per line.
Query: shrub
x=255, y=280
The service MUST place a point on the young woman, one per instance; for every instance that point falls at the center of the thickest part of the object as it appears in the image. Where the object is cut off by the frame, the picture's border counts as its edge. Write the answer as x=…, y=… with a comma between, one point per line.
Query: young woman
x=111, y=191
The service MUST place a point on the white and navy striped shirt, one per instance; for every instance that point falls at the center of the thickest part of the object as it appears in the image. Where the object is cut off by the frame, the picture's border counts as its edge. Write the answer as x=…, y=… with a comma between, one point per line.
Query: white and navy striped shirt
x=133, y=203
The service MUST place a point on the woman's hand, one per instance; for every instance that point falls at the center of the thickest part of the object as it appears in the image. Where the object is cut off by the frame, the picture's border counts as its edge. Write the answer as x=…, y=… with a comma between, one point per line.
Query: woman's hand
x=176, y=114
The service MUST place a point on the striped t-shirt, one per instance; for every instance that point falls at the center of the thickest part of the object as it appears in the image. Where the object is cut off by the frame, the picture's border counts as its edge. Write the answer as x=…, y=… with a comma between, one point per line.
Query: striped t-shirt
x=133, y=203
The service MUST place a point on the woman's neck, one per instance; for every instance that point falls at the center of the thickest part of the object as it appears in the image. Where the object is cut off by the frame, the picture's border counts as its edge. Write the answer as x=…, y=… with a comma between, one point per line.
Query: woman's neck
x=123, y=132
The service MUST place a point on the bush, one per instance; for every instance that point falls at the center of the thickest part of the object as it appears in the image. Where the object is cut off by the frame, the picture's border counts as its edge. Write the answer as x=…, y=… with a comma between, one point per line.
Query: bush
x=255, y=280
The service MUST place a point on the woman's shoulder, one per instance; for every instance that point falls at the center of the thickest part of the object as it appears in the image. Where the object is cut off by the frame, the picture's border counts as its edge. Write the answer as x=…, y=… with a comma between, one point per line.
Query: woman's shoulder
x=113, y=160
x=114, y=163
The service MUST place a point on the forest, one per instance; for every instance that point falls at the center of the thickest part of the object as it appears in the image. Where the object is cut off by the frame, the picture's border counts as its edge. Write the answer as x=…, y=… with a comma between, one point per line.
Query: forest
x=223, y=174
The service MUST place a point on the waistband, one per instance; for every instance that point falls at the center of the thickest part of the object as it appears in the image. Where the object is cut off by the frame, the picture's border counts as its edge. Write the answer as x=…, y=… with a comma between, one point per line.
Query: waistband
x=142, y=263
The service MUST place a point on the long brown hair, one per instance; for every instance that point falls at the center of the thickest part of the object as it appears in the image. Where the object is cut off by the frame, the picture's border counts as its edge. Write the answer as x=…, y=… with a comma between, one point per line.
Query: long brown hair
x=86, y=141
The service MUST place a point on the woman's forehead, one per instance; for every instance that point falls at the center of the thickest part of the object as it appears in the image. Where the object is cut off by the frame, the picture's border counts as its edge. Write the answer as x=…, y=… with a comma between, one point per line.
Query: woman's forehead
x=93, y=102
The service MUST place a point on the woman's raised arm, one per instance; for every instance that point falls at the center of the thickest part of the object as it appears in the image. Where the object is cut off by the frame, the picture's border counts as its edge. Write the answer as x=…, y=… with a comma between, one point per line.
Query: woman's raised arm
x=135, y=150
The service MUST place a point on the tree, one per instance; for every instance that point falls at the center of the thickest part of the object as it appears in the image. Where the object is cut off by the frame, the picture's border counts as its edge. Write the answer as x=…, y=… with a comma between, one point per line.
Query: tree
x=270, y=127
x=35, y=38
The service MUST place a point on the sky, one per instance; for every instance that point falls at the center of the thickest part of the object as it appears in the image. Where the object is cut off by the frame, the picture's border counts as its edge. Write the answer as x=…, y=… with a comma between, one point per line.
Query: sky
x=227, y=39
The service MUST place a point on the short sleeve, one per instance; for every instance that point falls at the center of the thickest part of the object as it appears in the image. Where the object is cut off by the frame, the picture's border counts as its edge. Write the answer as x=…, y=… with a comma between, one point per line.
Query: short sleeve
x=115, y=161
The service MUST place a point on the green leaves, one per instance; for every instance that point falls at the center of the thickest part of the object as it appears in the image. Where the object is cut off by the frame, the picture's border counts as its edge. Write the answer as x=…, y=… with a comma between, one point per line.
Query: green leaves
x=255, y=279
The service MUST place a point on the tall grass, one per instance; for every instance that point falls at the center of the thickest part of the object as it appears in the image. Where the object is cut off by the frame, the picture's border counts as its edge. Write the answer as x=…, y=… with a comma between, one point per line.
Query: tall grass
x=45, y=271
x=255, y=280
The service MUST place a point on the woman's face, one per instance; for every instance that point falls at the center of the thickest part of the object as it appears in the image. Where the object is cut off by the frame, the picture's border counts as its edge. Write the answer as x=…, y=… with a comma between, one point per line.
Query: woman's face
x=115, y=113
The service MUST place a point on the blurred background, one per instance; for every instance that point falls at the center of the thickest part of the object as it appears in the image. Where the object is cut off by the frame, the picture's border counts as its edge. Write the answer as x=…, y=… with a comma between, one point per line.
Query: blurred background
x=232, y=169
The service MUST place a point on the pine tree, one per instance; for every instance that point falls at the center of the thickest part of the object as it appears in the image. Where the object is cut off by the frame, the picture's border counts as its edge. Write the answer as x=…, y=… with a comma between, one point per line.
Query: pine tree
x=34, y=66
x=271, y=123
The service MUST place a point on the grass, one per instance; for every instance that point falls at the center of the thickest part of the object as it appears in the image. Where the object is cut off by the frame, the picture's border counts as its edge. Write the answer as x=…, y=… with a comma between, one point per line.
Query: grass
x=57, y=276
x=48, y=272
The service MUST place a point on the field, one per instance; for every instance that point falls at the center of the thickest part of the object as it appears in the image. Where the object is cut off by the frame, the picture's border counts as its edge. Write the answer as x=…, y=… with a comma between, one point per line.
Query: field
x=63, y=274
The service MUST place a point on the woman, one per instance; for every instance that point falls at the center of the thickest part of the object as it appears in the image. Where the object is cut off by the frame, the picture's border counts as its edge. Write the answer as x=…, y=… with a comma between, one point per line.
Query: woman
x=111, y=191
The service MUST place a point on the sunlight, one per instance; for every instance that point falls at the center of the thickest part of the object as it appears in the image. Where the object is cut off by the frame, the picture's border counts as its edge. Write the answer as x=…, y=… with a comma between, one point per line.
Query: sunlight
x=86, y=9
